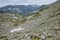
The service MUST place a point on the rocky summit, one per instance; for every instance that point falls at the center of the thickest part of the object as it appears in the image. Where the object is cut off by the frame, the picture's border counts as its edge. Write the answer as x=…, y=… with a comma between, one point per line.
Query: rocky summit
x=43, y=25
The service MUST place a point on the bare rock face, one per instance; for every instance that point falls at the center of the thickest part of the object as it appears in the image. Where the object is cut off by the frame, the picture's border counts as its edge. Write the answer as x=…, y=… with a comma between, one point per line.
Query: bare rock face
x=45, y=25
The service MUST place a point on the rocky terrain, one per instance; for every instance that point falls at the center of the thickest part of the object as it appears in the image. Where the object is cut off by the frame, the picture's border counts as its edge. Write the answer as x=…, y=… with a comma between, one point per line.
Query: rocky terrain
x=44, y=25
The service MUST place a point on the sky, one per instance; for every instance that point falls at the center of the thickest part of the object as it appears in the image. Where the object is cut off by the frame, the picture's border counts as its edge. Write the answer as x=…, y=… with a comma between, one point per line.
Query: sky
x=25, y=2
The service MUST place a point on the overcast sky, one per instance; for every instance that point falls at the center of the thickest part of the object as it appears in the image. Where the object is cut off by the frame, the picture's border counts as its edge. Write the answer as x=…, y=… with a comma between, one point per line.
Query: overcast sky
x=25, y=2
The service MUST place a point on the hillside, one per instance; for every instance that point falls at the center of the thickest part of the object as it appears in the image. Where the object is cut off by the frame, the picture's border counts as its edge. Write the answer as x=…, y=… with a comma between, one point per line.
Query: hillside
x=43, y=25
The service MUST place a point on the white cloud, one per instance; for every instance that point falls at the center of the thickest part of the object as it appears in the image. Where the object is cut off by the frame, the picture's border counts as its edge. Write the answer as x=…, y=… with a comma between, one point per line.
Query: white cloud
x=25, y=2
x=39, y=2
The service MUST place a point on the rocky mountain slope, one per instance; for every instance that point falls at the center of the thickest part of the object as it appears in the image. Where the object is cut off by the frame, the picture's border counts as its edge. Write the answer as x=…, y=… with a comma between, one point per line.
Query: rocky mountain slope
x=44, y=25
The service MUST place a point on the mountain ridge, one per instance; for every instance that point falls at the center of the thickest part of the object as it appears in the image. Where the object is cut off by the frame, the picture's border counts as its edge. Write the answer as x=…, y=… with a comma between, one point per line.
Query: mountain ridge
x=22, y=9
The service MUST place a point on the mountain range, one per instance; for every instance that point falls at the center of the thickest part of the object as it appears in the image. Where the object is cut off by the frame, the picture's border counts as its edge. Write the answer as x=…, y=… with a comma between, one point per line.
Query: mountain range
x=22, y=9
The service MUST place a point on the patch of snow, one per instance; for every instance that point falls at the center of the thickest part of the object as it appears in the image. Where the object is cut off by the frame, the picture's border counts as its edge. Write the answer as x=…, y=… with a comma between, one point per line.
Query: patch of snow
x=17, y=29
x=15, y=17
x=9, y=8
